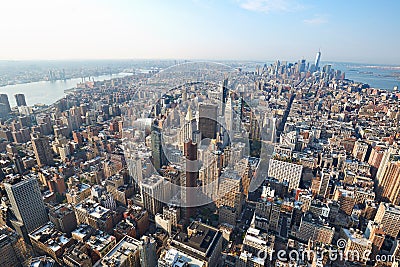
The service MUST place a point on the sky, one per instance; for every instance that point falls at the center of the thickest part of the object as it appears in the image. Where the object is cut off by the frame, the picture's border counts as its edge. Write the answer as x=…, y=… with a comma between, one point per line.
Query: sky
x=365, y=31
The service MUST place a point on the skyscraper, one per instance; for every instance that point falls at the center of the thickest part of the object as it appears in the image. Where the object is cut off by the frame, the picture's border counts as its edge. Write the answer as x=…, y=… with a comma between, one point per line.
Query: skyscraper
x=4, y=100
x=229, y=115
x=192, y=173
x=188, y=127
x=317, y=59
x=41, y=147
x=27, y=203
x=389, y=185
x=157, y=152
x=20, y=99
x=208, y=120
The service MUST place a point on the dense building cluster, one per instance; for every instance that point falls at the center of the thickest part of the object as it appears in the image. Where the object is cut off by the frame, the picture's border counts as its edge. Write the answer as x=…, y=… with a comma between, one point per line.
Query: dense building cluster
x=204, y=165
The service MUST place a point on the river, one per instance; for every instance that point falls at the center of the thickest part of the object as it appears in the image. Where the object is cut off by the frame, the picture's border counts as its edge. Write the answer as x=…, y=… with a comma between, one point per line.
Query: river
x=46, y=92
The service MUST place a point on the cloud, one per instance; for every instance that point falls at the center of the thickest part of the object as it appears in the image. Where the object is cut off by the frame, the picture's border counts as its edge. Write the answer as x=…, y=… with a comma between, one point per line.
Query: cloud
x=268, y=6
x=316, y=20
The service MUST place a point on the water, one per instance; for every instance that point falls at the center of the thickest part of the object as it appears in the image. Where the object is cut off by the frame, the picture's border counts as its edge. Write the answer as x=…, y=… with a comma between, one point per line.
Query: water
x=377, y=76
x=46, y=92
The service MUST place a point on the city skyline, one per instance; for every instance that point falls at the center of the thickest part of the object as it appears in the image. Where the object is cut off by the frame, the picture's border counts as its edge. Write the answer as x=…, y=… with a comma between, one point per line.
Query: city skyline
x=218, y=30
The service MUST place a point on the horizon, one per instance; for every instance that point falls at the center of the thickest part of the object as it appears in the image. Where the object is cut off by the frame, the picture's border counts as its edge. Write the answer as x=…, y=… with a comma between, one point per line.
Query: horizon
x=196, y=60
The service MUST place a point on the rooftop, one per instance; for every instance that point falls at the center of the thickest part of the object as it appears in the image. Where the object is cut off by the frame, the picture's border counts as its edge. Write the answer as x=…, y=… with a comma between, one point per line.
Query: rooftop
x=120, y=252
x=200, y=237
x=50, y=236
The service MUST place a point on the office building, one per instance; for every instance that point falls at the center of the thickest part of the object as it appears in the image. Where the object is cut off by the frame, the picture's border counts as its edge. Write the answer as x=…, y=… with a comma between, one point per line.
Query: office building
x=42, y=149
x=357, y=245
x=27, y=202
x=317, y=60
x=189, y=126
x=20, y=99
x=388, y=216
x=285, y=172
x=247, y=259
x=155, y=191
x=208, y=120
x=360, y=150
x=192, y=174
x=5, y=102
x=157, y=151
x=77, y=255
x=389, y=185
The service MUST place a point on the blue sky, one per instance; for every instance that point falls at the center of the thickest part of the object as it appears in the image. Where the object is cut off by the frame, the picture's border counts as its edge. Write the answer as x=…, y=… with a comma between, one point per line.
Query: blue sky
x=358, y=31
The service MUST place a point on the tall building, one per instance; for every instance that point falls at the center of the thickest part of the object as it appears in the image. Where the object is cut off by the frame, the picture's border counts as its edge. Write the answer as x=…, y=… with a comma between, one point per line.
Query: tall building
x=389, y=217
x=386, y=158
x=389, y=185
x=317, y=60
x=189, y=126
x=192, y=174
x=42, y=149
x=357, y=245
x=325, y=178
x=4, y=100
x=155, y=190
x=157, y=152
x=376, y=235
x=230, y=195
x=208, y=120
x=27, y=203
x=148, y=251
x=20, y=99
x=285, y=172
x=228, y=116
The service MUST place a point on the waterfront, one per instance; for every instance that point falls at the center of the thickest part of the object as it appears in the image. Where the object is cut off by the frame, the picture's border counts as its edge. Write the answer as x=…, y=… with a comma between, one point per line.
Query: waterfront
x=377, y=76
x=46, y=92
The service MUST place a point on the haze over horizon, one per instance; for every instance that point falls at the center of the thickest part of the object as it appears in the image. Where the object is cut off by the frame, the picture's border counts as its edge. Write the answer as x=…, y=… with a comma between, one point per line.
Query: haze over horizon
x=201, y=29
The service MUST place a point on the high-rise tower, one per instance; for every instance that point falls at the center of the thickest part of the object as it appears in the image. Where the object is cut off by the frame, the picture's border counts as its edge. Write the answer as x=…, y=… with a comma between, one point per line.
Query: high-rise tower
x=20, y=99
x=157, y=152
x=5, y=104
x=317, y=59
x=27, y=203
x=208, y=120
x=41, y=147
x=192, y=173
